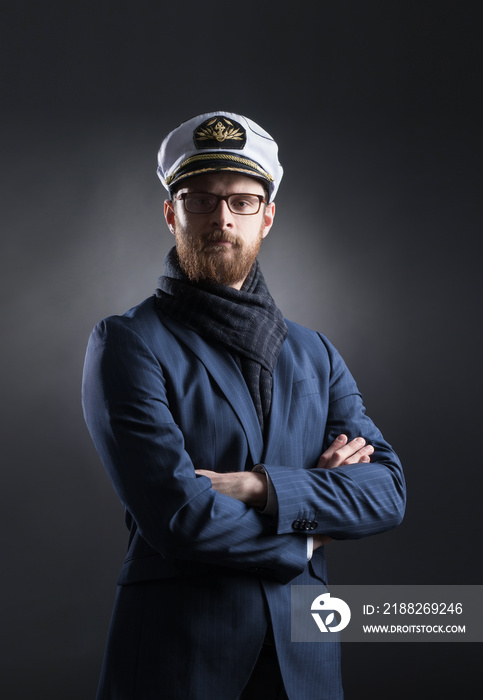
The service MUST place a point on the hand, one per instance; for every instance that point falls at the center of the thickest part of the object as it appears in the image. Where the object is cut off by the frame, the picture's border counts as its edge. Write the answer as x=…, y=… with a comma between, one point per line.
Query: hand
x=320, y=540
x=248, y=487
x=339, y=453
x=343, y=452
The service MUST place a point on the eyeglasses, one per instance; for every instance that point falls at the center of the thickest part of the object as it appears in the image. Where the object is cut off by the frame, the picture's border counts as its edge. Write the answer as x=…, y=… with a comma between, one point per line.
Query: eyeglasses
x=205, y=202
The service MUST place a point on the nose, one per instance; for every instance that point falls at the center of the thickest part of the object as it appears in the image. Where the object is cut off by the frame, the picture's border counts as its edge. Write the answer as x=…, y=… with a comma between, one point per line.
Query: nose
x=222, y=217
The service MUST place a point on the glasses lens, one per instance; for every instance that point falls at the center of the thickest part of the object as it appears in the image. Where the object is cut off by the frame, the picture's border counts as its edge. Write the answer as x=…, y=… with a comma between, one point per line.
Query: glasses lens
x=200, y=202
x=204, y=203
x=244, y=203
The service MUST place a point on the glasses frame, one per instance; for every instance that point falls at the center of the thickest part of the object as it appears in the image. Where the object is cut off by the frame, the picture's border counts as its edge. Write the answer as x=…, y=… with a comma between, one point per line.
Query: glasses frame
x=225, y=198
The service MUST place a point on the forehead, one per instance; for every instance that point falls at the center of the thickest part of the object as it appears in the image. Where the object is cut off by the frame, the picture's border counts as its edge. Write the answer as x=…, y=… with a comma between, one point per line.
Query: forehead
x=221, y=183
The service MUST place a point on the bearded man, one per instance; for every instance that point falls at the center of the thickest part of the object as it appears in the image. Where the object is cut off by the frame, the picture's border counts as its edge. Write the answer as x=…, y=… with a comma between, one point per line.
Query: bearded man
x=236, y=440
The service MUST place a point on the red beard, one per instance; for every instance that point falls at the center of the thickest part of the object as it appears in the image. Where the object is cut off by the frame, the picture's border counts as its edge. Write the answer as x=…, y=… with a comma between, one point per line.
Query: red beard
x=209, y=258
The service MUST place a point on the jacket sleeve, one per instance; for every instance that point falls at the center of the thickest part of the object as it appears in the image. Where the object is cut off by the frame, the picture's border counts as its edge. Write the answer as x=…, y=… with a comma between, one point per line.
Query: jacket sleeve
x=127, y=412
x=349, y=501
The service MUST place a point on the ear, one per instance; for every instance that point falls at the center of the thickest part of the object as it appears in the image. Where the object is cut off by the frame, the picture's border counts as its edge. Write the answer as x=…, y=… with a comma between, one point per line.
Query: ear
x=169, y=214
x=268, y=217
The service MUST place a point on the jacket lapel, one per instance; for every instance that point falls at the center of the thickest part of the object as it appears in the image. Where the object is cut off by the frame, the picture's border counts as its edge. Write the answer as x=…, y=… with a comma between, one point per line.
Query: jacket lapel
x=281, y=402
x=225, y=372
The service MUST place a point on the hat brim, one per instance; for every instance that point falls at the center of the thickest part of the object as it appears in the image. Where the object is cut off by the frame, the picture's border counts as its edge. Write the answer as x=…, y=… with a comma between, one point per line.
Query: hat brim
x=218, y=162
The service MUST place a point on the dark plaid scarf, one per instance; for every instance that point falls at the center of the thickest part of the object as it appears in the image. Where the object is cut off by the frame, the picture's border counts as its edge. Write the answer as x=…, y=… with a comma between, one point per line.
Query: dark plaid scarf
x=245, y=321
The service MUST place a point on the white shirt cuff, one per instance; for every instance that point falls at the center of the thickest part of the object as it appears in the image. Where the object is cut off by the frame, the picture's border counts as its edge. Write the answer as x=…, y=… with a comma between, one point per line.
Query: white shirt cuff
x=310, y=547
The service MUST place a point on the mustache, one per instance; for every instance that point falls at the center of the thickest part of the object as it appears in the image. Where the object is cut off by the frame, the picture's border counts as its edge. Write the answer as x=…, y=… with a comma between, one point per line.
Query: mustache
x=220, y=236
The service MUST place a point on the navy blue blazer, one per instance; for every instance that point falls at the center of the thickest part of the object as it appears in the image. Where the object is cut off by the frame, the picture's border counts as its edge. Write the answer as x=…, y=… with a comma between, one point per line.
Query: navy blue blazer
x=160, y=402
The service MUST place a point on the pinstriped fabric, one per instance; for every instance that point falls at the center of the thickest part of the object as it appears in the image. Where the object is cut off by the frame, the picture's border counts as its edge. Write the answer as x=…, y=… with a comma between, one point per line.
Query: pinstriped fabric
x=309, y=670
x=150, y=457
x=191, y=614
x=176, y=639
x=346, y=502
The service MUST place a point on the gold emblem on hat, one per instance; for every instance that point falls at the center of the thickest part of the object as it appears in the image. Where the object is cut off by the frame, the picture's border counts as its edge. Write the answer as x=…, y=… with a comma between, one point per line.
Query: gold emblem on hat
x=220, y=131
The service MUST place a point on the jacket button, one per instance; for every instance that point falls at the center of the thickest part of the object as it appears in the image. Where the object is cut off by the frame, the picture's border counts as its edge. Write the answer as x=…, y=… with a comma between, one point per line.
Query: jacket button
x=296, y=525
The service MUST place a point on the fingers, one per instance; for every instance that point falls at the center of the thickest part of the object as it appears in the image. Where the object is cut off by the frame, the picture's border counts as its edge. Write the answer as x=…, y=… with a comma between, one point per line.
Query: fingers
x=326, y=456
x=342, y=451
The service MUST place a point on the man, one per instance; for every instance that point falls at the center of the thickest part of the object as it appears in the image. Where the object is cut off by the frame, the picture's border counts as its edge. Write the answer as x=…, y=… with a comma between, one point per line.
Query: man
x=236, y=441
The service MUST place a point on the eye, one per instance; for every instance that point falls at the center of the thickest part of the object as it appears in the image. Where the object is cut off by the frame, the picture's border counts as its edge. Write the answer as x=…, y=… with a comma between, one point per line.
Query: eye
x=240, y=203
x=199, y=202
x=198, y=199
x=244, y=203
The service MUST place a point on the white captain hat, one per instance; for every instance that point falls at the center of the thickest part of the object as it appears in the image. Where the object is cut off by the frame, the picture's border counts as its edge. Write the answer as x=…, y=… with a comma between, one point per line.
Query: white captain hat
x=219, y=141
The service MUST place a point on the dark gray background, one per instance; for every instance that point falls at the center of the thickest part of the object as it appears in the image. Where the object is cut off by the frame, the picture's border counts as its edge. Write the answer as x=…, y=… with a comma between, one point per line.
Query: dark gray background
x=375, y=106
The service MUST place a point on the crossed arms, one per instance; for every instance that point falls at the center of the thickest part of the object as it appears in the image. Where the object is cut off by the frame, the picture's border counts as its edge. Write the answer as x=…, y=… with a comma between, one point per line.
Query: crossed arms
x=160, y=449
x=251, y=487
